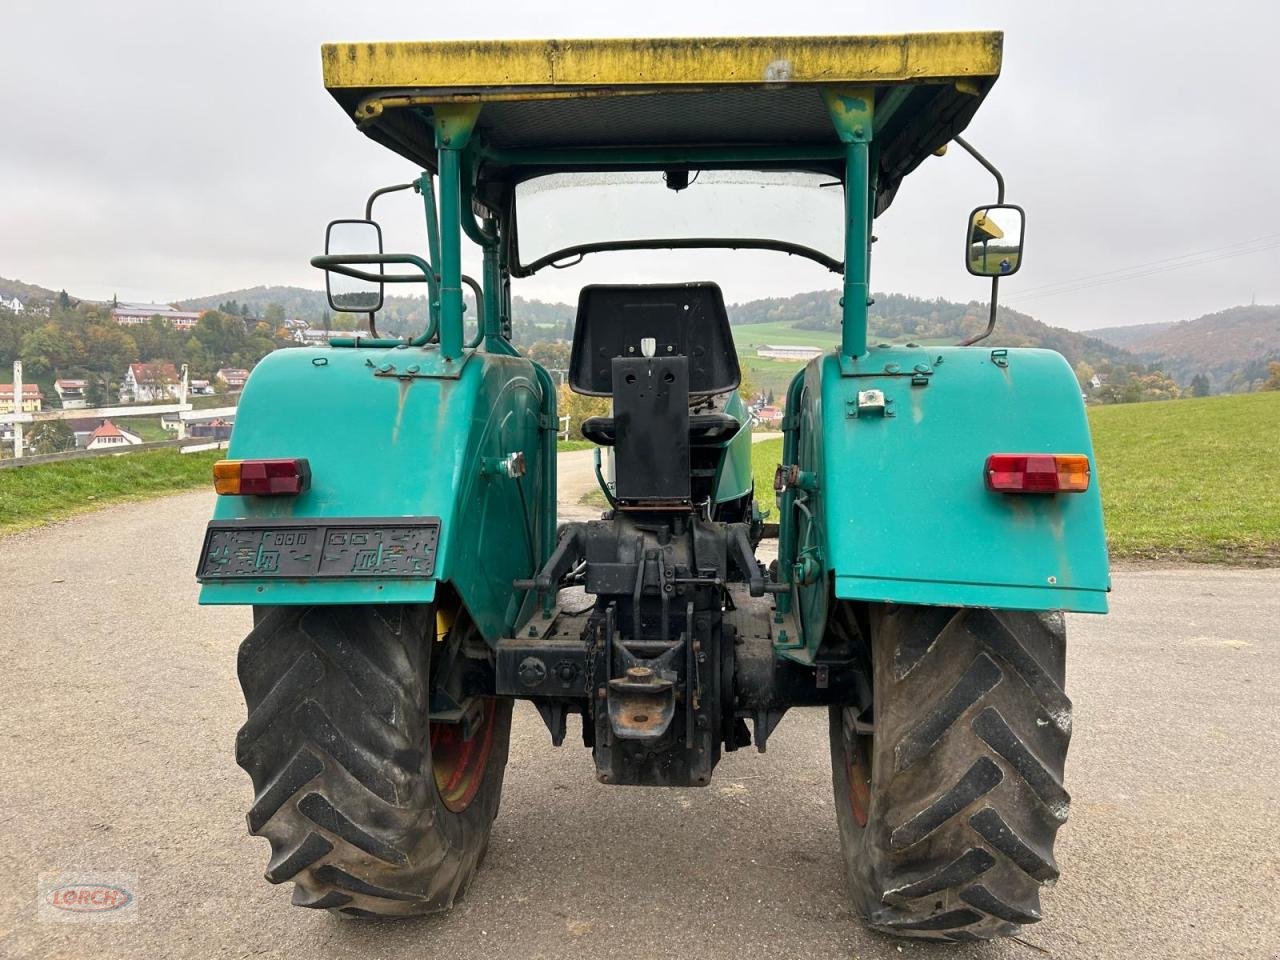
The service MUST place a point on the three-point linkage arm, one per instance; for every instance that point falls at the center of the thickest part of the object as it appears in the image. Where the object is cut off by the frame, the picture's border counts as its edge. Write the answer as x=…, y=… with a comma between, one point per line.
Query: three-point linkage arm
x=567, y=555
x=744, y=557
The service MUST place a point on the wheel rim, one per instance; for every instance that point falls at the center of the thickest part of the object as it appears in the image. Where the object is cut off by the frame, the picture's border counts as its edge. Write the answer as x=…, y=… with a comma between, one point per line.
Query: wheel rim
x=459, y=763
x=857, y=761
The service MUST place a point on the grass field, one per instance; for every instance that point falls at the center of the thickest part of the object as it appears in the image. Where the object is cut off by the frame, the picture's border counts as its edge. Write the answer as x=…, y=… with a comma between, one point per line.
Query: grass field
x=1192, y=479
x=774, y=375
x=146, y=428
x=30, y=496
x=1181, y=480
x=748, y=336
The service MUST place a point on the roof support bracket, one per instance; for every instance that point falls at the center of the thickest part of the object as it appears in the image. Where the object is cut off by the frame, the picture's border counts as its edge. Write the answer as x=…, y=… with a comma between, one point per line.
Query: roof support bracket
x=454, y=123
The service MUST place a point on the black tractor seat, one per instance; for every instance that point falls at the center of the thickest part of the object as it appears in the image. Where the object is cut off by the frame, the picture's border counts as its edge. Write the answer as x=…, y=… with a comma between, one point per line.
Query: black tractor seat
x=704, y=428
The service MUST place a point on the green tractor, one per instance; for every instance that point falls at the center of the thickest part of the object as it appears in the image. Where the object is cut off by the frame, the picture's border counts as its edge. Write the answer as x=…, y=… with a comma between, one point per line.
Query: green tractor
x=389, y=508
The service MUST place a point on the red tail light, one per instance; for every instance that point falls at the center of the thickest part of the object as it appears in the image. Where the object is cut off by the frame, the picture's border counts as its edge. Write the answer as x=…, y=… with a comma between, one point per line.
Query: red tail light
x=261, y=478
x=1037, y=472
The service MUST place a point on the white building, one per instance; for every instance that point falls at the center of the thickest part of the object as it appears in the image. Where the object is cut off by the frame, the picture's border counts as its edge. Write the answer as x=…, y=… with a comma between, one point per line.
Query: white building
x=71, y=393
x=12, y=303
x=134, y=314
x=144, y=382
x=109, y=435
x=788, y=351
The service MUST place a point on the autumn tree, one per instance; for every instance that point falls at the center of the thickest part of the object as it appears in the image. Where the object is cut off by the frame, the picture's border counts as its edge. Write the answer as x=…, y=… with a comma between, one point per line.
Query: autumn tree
x=1084, y=374
x=51, y=436
x=579, y=408
x=1273, y=376
x=552, y=354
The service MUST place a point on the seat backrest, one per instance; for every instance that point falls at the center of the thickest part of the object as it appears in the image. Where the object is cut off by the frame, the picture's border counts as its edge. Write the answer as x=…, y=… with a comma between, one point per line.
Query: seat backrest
x=684, y=319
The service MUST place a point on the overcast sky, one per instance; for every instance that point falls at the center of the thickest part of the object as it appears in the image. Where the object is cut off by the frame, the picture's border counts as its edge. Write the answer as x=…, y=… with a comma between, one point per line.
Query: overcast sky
x=159, y=150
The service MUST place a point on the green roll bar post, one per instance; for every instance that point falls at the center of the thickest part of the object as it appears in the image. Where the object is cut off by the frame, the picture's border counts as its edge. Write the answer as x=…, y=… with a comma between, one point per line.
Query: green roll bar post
x=853, y=116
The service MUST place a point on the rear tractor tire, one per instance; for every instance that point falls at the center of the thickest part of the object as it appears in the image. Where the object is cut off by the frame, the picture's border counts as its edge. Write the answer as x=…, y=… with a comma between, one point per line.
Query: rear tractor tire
x=370, y=810
x=949, y=796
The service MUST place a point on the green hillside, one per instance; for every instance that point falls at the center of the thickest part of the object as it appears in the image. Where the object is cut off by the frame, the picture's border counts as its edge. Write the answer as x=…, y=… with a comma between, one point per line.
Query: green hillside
x=26, y=292
x=1126, y=337
x=762, y=375
x=813, y=319
x=1232, y=347
x=1194, y=480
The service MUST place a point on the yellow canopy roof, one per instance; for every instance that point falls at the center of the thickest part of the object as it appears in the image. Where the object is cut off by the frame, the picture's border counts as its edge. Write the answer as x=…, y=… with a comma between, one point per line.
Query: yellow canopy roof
x=729, y=92
x=499, y=69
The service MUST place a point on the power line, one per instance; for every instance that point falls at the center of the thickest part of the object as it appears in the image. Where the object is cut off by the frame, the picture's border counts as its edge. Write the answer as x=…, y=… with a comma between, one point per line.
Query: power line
x=1151, y=263
x=1154, y=267
x=1207, y=251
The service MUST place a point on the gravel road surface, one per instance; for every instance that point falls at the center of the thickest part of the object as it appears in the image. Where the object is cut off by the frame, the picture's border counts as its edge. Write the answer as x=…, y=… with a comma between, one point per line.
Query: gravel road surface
x=120, y=706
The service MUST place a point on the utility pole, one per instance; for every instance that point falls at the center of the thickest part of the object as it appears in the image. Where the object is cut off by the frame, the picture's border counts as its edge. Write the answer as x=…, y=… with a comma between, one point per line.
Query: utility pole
x=17, y=408
x=182, y=400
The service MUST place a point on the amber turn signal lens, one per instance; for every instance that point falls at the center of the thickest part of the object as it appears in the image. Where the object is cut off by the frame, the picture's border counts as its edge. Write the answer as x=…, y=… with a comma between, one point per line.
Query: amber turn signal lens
x=226, y=477
x=1037, y=472
x=261, y=478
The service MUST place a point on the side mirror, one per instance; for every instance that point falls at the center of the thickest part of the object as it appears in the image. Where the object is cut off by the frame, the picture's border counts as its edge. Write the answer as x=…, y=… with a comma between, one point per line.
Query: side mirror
x=348, y=293
x=993, y=243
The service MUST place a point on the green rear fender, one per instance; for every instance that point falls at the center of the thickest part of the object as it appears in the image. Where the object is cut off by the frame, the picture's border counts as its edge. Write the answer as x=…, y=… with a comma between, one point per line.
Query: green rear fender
x=898, y=508
x=733, y=477
x=382, y=445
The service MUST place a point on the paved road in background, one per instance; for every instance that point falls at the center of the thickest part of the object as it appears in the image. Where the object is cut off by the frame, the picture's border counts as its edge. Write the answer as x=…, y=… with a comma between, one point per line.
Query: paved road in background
x=576, y=477
x=120, y=706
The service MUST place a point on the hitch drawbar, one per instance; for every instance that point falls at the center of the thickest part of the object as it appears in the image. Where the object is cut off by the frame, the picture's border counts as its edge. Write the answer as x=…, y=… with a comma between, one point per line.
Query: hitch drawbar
x=641, y=704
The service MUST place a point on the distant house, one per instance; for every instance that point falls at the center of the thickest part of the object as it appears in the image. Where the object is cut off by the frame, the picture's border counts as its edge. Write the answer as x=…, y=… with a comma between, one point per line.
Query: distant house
x=788, y=351
x=12, y=303
x=1095, y=382
x=215, y=428
x=133, y=314
x=32, y=398
x=768, y=415
x=233, y=377
x=82, y=428
x=71, y=393
x=201, y=388
x=298, y=330
x=218, y=429
x=144, y=382
x=109, y=435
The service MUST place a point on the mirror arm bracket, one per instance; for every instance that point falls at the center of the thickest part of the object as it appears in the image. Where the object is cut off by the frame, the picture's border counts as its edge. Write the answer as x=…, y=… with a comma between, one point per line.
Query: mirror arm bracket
x=347, y=264
x=368, y=204
x=991, y=318
x=995, y=281
x=990, y=167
